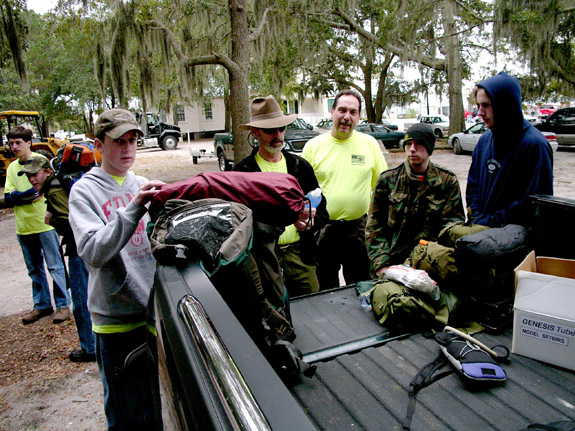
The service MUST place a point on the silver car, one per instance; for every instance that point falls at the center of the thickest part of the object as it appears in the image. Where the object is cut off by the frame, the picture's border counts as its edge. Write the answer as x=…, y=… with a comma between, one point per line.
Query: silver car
x=465, y=142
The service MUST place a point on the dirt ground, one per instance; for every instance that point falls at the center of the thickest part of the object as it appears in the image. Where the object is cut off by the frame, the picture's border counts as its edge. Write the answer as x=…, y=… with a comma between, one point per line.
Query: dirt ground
x=40, y=389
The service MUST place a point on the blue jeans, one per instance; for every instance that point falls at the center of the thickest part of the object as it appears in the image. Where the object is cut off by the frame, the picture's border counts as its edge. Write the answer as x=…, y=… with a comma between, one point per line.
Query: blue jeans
x=131, y=394
x=36, y=248
x=79, y=291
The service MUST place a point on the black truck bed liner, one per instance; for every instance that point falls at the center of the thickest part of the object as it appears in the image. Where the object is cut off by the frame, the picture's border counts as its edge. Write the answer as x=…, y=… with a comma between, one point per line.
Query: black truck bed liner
x=367, y=389
x=363, y=371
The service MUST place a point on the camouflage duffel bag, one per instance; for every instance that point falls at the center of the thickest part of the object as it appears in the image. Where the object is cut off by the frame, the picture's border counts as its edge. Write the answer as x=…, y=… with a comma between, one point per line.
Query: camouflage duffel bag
x=399, y=308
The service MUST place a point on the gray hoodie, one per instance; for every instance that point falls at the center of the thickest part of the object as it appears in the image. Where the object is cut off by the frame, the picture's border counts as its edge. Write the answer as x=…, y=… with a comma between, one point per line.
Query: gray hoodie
x=110, y=232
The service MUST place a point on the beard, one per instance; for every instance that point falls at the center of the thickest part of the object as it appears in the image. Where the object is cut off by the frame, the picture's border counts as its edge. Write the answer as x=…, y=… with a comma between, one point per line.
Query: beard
x=272, y=149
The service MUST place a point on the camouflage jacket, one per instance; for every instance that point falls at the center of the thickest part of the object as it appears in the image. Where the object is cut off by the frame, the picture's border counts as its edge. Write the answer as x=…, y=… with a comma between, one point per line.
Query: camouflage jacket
x=405, y=209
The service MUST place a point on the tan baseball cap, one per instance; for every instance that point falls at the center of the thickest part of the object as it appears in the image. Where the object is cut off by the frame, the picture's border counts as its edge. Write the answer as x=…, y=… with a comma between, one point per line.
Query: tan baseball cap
x=116, y=122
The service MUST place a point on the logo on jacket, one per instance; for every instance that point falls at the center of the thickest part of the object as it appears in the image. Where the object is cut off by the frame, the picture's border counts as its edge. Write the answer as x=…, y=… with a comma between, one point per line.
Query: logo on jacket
x=137, y=238
x=493, y=166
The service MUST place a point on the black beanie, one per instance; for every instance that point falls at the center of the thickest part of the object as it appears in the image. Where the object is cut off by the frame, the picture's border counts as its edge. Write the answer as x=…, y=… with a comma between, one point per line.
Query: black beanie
x=423, y=134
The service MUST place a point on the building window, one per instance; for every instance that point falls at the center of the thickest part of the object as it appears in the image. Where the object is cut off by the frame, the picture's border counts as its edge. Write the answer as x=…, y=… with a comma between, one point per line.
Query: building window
x=330, y=104
x=208, y=111
x=294, y=107
x=180, y=113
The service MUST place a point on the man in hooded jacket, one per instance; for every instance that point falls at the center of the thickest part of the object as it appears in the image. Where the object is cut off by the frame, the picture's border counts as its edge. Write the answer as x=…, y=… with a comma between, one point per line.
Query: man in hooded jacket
x=511, y=161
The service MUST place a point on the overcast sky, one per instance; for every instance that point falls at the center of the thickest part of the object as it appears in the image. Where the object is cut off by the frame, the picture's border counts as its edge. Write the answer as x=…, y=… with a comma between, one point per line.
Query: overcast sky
x=41, y=6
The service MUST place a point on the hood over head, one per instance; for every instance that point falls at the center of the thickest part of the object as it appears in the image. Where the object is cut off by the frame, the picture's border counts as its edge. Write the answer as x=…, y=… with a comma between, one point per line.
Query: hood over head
x=504, y=91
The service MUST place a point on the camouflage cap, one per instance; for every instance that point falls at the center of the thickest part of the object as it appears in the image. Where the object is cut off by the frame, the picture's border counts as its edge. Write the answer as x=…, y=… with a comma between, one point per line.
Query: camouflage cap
x=116, y=122
x=34, y=164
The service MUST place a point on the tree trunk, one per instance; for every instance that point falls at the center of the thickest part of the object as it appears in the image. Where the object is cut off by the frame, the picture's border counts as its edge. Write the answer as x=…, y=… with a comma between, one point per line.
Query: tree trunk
x=228, y=119
x=382, y=97
x=239, y=77
x=367, y=69
x=175, y=115
x=367, y=83
x=454, y=67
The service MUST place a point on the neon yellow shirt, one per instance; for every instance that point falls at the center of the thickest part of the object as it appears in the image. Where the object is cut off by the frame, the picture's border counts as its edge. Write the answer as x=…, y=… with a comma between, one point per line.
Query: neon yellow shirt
x=290, y=234
x=30, y=217
x=120, y=328
x=119, y=180
x=347, y=171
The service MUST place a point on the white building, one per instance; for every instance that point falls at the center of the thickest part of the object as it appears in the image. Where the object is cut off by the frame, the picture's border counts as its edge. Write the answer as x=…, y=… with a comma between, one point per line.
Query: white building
x=199, y=121
x=311, y=110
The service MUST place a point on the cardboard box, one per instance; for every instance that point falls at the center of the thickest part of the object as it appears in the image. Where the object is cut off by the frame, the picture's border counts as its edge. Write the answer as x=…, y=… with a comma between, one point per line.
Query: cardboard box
x=544, y=310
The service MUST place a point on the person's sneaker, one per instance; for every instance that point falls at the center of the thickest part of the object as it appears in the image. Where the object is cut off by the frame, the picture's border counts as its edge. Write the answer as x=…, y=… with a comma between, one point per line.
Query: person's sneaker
x=36, y=314
x=81, y=355
x=61, y=315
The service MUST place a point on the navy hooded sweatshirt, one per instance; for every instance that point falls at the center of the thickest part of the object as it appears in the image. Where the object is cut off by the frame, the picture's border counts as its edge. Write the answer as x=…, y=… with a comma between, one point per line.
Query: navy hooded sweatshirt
x=511, y=161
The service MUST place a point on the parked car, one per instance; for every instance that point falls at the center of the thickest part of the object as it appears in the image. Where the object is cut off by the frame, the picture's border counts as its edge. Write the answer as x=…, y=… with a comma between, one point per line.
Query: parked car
x=296, y=136
x=63, y=134
x=562, y=123
x=546, y=110
x=301, y=124
x=465, y=142
x=325, y=124
x=389, y=125
x=386, y=123
x=298, y=133
x=390, y=138
x=439, y=123
x=532, y=119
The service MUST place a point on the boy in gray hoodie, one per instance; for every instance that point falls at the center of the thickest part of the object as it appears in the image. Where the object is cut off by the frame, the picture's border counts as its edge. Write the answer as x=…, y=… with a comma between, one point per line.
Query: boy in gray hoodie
x=108, y=217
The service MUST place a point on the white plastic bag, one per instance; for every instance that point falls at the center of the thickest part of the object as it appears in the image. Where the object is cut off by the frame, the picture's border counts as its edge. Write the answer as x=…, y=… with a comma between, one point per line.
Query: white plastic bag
x=415, y=279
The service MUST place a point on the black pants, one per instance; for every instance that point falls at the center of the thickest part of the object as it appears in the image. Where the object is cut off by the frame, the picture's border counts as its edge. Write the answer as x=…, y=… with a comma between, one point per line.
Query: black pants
x=341, y=243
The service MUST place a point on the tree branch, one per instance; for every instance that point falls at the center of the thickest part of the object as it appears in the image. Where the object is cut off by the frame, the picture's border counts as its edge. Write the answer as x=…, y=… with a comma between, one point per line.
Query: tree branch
x=561, y=72
x=332, y=24
x=219, y=59
x=341, y=56
x=437, y=64
x=257, y=32
x=350, y=84
x=171, y=38
x=469, y=10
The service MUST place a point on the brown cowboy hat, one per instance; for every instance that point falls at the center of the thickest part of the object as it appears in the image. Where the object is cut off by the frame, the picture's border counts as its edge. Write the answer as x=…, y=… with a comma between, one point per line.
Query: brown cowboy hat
x=266, y=113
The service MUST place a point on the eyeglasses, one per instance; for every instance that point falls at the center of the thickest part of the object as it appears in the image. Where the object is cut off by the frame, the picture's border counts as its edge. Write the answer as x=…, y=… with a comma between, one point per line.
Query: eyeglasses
x=272, y=131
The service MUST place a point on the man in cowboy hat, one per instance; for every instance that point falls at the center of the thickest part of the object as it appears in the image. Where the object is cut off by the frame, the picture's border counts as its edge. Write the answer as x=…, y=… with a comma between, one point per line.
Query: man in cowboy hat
x=347, y=164
x=296, y=246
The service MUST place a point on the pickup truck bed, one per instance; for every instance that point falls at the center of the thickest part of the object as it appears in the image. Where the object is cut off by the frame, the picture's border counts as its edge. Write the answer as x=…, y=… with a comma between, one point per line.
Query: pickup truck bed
x=362, y=377
x=367, y=389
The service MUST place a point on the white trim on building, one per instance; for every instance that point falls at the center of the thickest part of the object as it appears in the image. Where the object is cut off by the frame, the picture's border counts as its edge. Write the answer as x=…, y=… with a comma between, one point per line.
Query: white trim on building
x=200, y=119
